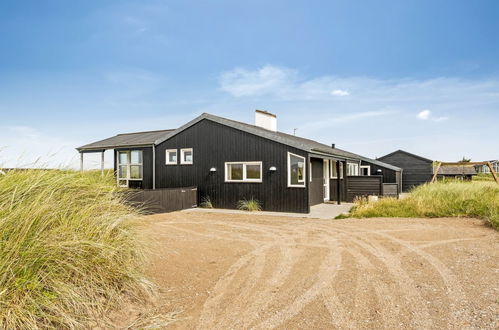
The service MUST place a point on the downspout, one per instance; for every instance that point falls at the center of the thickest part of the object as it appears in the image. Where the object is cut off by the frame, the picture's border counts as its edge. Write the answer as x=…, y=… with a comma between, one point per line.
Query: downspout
x=153, y=166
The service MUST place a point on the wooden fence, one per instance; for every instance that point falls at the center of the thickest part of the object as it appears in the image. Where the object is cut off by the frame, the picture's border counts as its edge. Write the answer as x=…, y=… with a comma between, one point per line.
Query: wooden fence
x=390, y=190
x=163, y=200
x=359, y=186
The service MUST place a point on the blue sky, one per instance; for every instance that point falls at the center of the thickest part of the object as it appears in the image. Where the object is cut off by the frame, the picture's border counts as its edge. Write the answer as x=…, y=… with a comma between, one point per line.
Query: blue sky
x=370, y=76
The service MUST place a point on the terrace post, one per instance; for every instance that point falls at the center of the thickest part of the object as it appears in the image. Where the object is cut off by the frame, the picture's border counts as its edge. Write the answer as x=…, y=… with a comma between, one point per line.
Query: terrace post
x=338, y=179
x=102, y=163
x=81, y=161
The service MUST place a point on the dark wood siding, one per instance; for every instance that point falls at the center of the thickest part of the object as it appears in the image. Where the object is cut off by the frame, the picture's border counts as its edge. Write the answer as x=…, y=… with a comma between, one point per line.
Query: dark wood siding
x=363, y=186
x=389, y=175
x=214, y=144
x=333, y=187
x=146, y=182
x=416, y=171
x=316, y=190
x=333, y=192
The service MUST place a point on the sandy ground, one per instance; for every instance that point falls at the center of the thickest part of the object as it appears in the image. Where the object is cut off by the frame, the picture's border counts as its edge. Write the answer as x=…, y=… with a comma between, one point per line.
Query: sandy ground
x=223, y=271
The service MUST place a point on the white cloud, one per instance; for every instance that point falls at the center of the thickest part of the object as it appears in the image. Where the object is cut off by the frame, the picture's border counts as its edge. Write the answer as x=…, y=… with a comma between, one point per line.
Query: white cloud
x=424, y=114
x=267, y=80
x=340, y=92
x=427, y=115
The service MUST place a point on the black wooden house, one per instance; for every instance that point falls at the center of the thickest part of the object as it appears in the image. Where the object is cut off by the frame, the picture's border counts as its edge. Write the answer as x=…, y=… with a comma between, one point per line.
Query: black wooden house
x=229, y=160
x=417, y=170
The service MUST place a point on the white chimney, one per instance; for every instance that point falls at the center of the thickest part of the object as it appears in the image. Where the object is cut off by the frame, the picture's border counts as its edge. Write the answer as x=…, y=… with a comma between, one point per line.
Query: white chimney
x=266, y=120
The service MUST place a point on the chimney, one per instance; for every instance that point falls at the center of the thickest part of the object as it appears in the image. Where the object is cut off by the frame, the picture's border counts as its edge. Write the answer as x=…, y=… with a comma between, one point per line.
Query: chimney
x=266, y=120
x=333, y=145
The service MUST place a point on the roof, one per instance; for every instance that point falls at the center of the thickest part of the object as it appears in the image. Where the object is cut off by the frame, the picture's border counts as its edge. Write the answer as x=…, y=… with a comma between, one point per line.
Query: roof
x=456, y=170
x=126, y=139
x=407, y=153
x=157, y=137
x=308, y=145
x=381, y=164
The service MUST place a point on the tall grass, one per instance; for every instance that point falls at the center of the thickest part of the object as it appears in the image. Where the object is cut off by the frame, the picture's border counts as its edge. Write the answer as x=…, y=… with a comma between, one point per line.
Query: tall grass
x=68, y=249
x=442, y=199
x=249, y=205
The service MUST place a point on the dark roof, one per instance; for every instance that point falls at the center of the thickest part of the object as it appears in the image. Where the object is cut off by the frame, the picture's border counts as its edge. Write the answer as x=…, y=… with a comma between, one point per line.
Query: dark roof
x=284, y=138
x=126, y=139
x=157, y=137
x=456, y=170
x=407, y=153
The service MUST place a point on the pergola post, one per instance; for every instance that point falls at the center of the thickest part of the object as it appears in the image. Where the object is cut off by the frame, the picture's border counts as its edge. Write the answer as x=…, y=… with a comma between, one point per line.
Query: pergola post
x=102, y=163
x=338, y=179
x=153, y=166
x=81, y=161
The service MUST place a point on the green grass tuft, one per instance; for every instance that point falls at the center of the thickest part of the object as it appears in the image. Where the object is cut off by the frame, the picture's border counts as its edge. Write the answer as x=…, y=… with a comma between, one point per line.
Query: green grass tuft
x=249, y=205
x=206, y=203
x=69, y=249
x=442, y=199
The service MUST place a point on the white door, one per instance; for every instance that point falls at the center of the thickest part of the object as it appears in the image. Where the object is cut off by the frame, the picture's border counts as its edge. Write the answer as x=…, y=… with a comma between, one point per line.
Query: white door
x=326, y=179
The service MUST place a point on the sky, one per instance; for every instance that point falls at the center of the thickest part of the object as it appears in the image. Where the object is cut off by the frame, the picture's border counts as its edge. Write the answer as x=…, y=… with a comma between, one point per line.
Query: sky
x=369, y=76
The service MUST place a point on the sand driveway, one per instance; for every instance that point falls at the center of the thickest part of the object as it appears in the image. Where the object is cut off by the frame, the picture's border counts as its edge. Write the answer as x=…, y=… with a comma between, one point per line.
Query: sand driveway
x=238, y=271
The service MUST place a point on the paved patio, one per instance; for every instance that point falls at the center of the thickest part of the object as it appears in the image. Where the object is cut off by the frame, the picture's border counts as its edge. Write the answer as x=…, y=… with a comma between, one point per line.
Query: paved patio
x=320, y=211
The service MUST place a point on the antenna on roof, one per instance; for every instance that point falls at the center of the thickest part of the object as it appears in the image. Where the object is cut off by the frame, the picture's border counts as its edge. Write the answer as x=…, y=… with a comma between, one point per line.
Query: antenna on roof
x=294, y=131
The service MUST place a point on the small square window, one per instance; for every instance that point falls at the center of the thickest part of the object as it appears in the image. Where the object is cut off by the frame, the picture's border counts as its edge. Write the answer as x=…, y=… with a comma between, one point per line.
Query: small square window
x=186, y=156
x=171, y=156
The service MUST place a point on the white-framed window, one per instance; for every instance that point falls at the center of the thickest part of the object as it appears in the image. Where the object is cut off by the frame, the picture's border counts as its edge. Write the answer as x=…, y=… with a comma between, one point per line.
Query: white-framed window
x=171, y=157
x=130, y=167
x=186, y=156
x=352, y=169
x=243, y=172
x=334, y=170
x=296, y=171
x=365, y=170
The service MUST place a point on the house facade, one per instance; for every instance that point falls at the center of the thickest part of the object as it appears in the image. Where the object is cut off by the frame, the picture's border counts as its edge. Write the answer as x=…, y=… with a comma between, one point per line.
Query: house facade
x=228, y=161
x=486, y=169
x=416, y=170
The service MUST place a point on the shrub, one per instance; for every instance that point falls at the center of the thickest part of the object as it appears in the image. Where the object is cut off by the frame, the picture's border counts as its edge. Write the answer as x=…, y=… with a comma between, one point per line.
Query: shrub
x=249, y=205
x=206, y=203
x=68, y=249
x=441, y=199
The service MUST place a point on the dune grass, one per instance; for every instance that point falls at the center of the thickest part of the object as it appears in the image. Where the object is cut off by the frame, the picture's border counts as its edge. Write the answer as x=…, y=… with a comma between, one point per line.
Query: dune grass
x=249, y=205
x=69, y=249
x=442, y=199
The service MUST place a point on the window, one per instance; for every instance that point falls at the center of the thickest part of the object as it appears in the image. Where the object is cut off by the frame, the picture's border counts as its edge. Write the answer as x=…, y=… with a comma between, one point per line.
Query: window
x=296, y=170
x=130, y=167
x=352, y=169
x=186, y=156
x=334, y=170
x=171, y=157
x=243, y=172
x=365, y=170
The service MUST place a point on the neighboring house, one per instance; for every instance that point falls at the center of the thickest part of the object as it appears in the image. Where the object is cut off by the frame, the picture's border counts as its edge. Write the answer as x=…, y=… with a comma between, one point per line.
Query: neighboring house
x=229, y=160
x=486, y=169
x=416, y=170
x=456, y=172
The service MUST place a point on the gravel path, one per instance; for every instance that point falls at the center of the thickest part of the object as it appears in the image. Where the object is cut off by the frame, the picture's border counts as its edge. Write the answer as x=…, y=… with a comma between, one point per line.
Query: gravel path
x=222, y=271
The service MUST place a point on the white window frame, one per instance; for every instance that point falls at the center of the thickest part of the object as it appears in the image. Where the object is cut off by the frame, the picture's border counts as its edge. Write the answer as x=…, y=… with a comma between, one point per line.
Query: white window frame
x=182, y=153
x=351, y=167
x=368, y=170
x=128, y=165
x=302, y=183
x=244, y=179
x=167, y=156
